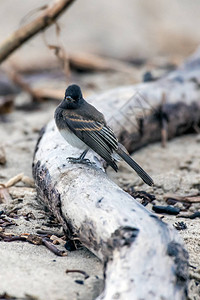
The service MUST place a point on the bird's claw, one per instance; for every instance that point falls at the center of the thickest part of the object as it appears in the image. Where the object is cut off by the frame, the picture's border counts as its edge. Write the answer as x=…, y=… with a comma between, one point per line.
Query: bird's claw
x=80, y=161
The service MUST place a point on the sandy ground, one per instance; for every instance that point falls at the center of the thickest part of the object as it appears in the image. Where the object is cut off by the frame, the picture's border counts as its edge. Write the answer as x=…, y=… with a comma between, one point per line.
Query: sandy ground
x=29, y=270
x=125, y=29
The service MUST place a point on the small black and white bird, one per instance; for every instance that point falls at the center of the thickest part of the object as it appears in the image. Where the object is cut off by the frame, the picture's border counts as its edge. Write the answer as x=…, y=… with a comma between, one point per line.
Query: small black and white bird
x=84, y=127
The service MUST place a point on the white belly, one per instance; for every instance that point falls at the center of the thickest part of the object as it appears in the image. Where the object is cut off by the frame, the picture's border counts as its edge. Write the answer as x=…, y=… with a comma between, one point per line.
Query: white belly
x=73, y=140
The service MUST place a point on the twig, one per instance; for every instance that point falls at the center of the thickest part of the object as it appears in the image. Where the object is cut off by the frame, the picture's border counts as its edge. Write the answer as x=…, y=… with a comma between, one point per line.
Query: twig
x=53, y=248
x=78, y=271
x=37, y=94
x=18, y=80
x=14, y=180
x=94, y=62
x=43, y=94
x=33, y=239
x=187, y=199
x=47, y=18
x=62, y=57
x=79, y=61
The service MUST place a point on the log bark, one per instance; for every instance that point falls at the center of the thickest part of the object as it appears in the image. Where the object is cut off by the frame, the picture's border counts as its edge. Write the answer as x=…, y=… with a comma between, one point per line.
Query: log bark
x=143, y=257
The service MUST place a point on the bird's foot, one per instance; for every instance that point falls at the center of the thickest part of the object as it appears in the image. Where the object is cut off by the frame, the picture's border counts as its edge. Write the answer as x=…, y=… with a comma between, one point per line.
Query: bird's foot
x=80, y=160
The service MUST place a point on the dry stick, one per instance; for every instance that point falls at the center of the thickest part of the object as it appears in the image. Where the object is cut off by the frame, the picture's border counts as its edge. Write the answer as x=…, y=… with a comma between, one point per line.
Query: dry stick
x=78, y=271
x=47, y=18
x=53, y=248
x=17, y=79
x=96, y=62
x=37, y=94
x=187, y=199
x=33, y=239
x=48, y=93
x=12, y=181
x=63, y=58
x=79, y=60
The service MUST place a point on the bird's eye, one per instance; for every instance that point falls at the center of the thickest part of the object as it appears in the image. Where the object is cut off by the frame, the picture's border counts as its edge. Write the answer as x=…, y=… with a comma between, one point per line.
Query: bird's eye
x=69, y=98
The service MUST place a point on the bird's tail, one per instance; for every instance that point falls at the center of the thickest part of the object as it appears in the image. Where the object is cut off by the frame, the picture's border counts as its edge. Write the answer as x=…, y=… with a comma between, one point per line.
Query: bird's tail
x=145, y=177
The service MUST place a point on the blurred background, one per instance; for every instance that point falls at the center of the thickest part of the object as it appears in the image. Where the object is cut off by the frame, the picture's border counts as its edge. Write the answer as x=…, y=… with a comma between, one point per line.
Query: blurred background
x=129, y=29
x=99, y=45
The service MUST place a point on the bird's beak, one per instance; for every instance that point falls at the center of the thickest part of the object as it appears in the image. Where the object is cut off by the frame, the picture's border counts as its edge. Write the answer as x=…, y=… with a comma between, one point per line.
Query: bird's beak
x=69, y=98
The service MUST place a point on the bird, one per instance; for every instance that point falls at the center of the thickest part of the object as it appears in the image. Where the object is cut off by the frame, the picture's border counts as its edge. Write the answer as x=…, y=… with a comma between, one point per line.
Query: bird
x=84, y=127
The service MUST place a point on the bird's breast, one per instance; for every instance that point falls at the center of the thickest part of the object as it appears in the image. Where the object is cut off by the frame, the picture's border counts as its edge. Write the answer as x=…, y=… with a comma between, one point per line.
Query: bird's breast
x=72, y=139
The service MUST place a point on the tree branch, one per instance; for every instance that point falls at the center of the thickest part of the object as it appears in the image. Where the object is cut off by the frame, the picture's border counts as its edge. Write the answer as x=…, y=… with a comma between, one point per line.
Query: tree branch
x=47, y=18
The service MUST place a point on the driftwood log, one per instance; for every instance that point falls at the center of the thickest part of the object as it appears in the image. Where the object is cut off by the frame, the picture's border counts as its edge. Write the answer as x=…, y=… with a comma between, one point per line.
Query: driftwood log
x=144, y=258
x=139, y=113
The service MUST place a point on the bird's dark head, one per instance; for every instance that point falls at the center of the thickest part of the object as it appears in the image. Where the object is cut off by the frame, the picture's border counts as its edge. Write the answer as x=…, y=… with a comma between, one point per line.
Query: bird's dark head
x=73, y=97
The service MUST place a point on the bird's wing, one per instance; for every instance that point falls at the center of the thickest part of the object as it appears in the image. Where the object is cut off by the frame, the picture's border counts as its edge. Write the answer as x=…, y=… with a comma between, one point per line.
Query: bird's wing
x=96, y=135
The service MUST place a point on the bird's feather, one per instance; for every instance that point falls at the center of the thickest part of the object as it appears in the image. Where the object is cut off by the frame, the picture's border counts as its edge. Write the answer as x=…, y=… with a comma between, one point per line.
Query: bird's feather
x=96, y=135
x=145, y=177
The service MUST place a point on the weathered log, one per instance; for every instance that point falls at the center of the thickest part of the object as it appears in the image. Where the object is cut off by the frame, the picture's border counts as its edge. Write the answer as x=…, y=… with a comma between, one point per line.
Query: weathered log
x=144, y=258
x=137, y=112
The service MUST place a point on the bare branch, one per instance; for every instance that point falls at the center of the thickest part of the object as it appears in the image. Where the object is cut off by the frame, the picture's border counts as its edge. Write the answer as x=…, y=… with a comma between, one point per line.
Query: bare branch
x=47, y=18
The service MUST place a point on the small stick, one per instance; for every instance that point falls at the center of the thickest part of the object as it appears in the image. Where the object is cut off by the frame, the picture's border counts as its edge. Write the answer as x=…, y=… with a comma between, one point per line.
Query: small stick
x=93, y=62
x=33, y=239
x=187, y=199
x=52, y=248
x=11, y=238
x=14, y=238
x=14, y=180
x=17, y=79
x=78, y=271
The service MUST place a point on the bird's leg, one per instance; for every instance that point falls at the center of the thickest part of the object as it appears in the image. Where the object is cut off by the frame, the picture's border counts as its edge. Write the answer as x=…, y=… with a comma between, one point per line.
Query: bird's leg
x=80, y=159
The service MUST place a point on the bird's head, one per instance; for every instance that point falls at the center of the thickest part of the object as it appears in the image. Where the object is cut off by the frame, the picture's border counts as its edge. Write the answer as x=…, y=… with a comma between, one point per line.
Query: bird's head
x=73, y=96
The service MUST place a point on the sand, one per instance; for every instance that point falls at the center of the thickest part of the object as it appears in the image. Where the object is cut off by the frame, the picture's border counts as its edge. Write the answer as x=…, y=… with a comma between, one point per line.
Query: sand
x=29, y=270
